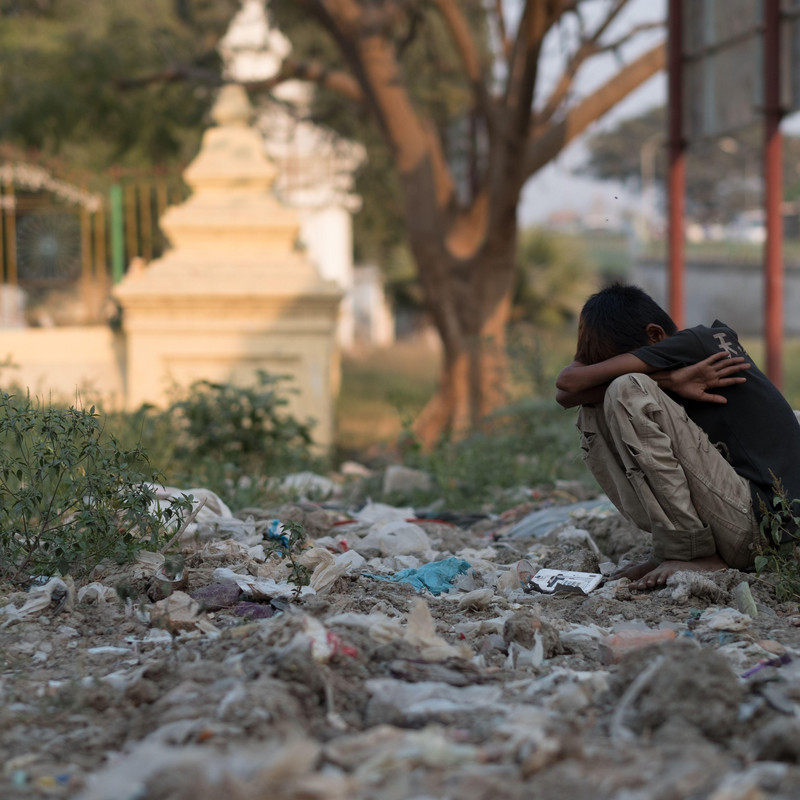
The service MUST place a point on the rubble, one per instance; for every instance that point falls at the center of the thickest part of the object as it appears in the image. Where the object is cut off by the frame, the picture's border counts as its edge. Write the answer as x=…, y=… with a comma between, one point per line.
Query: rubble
x=414, y=664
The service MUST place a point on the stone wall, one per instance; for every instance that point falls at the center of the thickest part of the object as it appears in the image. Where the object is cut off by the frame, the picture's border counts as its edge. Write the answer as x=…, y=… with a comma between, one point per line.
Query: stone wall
x=62, y=363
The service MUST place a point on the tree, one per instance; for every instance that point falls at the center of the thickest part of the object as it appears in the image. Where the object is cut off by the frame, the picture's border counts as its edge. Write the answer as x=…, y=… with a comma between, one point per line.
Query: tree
x=61, y=63
x=723, y=175
x=462, y=156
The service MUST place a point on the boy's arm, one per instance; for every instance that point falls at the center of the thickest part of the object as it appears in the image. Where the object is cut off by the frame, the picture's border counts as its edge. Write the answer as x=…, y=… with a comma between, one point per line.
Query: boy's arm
x=580, y=384
x=578, y=377
x=588, y=397
x=691, y=382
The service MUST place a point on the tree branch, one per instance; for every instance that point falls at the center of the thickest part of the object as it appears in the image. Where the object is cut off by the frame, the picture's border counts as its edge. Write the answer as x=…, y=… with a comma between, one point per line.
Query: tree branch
x=589, y=47
x=537, y=18
x=466, y=49
x=502, y=30
x=315, y=72
x=372, y=58
x=549, y=143
x=187, y=73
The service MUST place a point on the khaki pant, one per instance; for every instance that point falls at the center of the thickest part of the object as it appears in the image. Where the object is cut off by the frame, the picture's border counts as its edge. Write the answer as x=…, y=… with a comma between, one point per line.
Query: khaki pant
x=663, y=474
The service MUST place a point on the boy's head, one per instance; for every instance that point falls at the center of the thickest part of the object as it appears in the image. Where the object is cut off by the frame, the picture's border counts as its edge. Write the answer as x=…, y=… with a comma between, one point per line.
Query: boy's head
x=617, y=320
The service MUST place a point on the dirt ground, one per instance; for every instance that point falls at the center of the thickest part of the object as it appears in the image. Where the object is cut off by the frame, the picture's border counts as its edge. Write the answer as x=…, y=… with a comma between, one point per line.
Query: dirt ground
x=123, y=687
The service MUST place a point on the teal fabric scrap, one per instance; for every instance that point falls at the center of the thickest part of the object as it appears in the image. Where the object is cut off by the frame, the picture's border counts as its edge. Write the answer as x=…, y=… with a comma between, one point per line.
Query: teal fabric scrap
x=436, y=576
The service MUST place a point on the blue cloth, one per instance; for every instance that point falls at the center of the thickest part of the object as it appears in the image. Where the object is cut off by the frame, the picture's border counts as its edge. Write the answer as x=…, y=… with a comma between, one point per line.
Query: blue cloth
x=436, y=576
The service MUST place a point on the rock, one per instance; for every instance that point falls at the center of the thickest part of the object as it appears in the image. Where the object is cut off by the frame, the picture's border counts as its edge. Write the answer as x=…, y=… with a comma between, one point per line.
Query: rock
x=215, y=596
x=253, y=611
x=178, y=612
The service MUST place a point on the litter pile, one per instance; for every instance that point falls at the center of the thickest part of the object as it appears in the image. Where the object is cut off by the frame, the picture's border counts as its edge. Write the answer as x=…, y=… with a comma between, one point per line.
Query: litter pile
x=426, y=658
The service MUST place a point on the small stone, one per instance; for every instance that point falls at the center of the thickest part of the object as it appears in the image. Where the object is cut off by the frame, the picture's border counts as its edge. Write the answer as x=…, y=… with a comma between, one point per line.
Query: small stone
x=176, y=612
x=215, y=596
x=253, y=610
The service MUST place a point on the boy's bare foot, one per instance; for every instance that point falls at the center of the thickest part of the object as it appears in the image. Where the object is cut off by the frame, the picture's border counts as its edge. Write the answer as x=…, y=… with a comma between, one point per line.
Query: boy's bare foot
x=659, y=574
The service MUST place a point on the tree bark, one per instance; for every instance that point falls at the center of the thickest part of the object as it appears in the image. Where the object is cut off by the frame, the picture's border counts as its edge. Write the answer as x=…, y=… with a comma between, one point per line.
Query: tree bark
x=469, y=301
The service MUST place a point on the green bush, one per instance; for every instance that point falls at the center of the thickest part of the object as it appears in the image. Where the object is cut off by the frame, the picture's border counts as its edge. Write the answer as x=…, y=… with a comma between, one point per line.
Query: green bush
x=780, y=544
x=70, y=496
x=227, y=438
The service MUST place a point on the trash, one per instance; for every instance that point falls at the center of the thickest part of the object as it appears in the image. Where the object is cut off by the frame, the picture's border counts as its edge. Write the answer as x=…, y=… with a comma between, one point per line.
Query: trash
x=614, y=647
x=686, y=585
x=97, y=592
x=421, y=633
x=53, y=596
x=539, y=523
x=744, y=599
x=309, y=485
x=767, y=662
x=478, y=599
x=438, y=677
x=380, y=512
x=324, y=643
x=413, y=704
x=725, y=619
x=404, y=480
x=436, y=576
x=395, y=538
x=552, y=581
x=352, y=469
x=329, y=568
x=260, y=588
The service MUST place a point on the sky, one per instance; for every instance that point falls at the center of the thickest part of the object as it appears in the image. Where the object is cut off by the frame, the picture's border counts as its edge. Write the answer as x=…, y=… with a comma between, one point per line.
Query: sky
x=556, y=187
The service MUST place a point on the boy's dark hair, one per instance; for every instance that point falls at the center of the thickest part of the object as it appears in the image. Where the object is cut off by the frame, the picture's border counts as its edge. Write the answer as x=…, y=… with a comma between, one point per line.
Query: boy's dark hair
x=614, y=321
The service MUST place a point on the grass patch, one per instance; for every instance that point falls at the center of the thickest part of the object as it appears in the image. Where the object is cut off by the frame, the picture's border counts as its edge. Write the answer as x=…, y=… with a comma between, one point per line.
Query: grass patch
x=383, y=389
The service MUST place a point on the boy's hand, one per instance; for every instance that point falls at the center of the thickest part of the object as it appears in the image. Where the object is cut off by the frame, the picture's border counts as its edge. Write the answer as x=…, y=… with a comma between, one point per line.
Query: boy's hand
x=694, y=381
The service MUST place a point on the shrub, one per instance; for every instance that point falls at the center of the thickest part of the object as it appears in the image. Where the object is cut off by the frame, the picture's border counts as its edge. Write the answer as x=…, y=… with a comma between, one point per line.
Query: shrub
x=780, y=544
x=224, y=437
x=70, y=496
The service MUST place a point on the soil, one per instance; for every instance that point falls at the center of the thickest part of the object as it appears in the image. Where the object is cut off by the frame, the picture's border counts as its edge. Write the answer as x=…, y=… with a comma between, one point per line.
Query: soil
x=359, y=692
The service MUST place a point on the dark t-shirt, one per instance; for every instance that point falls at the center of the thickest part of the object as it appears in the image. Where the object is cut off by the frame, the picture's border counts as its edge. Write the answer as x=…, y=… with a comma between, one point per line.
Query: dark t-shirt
x=756, y=430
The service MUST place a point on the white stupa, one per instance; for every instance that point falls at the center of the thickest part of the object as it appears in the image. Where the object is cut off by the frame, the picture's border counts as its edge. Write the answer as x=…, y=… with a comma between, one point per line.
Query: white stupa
x=314, y=166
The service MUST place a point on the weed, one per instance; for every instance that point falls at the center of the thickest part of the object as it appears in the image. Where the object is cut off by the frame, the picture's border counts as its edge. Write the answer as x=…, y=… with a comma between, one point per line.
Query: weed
x=288, y=540
x=70, y=496
x=779, y=553
x=224, y=437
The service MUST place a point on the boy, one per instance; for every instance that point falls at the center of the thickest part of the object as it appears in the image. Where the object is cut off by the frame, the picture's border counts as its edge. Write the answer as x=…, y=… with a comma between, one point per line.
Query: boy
x=689, y=465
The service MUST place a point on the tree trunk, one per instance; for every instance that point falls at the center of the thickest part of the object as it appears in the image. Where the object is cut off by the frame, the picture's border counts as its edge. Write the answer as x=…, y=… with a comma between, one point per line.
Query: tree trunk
x=470, y=304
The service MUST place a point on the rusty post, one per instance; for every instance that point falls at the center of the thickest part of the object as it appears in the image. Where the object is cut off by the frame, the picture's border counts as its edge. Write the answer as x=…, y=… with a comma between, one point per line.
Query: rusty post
x=773, y=195
x=677, y=166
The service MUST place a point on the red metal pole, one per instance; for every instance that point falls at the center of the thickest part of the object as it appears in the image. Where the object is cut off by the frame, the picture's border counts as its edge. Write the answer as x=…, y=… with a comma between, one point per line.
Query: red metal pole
x=773, y=195
x=677, y=165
